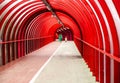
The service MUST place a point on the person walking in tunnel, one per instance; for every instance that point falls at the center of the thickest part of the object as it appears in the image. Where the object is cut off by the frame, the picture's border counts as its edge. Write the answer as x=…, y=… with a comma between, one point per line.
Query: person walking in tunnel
x=65, y=38
x=60, y=37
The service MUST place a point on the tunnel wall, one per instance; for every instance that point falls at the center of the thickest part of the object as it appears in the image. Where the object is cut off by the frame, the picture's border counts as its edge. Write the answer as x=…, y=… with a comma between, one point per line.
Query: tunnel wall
x=17, y=39
x=27, y=25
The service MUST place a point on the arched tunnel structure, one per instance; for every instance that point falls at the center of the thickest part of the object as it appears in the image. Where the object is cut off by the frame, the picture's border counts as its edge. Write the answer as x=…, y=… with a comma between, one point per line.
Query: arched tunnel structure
x=27, y=25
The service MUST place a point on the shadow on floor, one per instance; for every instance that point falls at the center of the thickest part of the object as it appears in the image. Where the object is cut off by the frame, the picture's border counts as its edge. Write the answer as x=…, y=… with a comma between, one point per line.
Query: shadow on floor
x=69, y=56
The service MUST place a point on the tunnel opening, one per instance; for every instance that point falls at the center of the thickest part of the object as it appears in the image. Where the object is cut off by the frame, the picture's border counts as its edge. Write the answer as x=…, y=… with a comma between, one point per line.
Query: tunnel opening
x=63, y=34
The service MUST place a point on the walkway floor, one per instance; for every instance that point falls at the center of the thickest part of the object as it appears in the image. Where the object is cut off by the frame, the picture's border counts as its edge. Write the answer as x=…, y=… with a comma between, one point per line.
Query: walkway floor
x=22, y=70
x=66, y=66
x=48, y=65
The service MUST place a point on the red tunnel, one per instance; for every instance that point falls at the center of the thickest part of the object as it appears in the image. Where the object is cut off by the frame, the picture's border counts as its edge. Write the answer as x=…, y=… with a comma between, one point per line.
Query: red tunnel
x=27, y=25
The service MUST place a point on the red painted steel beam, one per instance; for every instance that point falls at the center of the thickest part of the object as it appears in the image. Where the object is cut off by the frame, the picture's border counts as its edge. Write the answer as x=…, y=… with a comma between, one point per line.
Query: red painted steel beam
x=103, y=52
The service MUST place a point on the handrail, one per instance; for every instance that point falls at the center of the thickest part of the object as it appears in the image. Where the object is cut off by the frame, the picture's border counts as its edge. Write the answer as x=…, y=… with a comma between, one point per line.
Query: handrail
x=107, y=54
x=13, y=41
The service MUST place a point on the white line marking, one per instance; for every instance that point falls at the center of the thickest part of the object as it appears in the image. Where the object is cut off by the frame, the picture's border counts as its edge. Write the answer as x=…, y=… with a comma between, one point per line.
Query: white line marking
x=40, y=70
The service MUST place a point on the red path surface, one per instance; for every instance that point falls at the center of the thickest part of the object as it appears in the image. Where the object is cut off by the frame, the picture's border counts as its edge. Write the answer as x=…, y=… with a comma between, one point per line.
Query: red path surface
x=22, y=70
